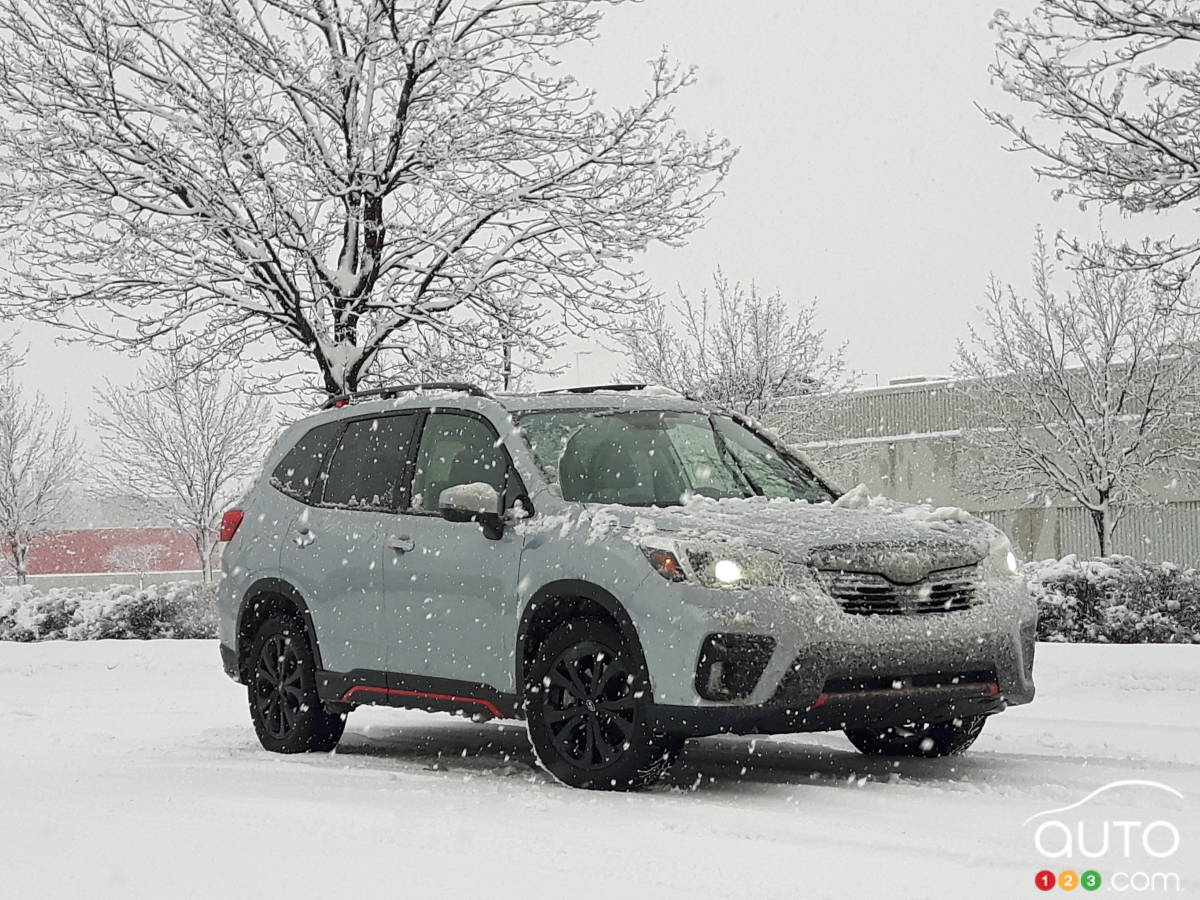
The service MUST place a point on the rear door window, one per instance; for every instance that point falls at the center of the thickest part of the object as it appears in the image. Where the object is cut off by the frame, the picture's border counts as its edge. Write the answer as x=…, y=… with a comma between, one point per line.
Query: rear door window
x=299, y=470
x=366, y=468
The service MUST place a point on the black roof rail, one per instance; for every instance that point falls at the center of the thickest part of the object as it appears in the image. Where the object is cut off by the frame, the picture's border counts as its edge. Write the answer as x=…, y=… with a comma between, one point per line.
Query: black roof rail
x=386, y=393
x=592, y=388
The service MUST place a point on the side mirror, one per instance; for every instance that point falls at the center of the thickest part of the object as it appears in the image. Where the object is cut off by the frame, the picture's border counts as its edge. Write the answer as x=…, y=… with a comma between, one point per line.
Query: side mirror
x=475, y=502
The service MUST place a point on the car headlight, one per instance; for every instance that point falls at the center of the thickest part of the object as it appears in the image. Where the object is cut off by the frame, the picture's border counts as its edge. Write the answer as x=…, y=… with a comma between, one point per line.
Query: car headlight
x=716, y=566
x=1001, y=558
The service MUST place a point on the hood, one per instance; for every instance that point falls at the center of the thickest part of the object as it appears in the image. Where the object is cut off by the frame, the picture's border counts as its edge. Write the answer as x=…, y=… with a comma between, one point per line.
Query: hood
x=903, y=542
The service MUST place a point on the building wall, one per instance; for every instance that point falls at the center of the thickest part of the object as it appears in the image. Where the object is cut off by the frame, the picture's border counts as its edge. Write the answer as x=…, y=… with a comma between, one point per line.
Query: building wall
x=79, y=552
x=907, y=442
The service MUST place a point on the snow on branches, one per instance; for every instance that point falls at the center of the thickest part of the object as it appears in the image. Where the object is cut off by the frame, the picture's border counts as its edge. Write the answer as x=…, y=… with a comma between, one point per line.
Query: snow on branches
x=183, y=442
x=1091, y=395
x=39, y=460
x=1119, y=84
x=738, y=346
x=319, y=178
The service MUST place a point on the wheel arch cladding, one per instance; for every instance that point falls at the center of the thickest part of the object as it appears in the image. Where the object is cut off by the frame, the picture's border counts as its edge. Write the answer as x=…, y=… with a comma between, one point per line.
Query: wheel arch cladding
x=264, y=599
x=559, y=602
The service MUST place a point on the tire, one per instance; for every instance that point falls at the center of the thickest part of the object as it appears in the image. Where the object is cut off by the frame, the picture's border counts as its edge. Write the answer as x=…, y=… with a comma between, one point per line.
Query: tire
x=587, y=706
x=288, y=715
x=927, y=740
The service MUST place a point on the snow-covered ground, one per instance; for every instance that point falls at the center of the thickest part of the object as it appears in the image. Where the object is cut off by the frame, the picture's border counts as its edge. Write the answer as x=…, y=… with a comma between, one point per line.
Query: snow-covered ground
x=130, y=769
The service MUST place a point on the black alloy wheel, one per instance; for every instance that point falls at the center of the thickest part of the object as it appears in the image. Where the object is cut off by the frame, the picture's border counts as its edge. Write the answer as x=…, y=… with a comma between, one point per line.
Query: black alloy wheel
x=588, y=707
x=288, y=715
x=277, y=686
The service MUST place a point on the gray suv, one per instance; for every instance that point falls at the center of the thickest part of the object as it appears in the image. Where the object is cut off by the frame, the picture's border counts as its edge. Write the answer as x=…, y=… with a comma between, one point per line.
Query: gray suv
x=623, y=568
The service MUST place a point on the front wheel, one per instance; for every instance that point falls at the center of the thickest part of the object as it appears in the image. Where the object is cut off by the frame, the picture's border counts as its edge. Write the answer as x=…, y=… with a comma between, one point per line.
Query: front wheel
x=587, y=700
x=925, y=740
x=287, y=713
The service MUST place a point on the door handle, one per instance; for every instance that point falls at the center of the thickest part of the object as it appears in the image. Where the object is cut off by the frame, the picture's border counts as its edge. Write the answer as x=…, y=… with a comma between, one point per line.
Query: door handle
x=403, y=543
x=304, y=537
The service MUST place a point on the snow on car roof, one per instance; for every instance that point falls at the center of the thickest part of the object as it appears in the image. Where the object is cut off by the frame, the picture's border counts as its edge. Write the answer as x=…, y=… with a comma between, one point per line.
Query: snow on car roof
x=646, y=399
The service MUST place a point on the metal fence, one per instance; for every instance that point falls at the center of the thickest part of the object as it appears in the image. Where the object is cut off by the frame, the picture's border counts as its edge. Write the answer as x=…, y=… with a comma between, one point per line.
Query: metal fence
x=1161, y=533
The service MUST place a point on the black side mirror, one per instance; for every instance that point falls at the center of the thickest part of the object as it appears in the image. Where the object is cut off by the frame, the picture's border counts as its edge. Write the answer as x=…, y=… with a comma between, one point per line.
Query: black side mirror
x=476, y=502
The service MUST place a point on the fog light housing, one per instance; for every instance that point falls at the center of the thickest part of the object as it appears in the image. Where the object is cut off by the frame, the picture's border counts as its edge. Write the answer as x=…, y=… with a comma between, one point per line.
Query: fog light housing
x=731, y=664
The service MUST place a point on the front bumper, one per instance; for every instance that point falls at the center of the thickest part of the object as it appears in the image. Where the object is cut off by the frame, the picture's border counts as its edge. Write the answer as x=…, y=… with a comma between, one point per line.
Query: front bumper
x=830, y=669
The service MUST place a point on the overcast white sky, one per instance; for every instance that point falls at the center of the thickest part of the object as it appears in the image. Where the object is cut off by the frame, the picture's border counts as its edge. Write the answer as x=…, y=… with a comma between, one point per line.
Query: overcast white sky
x=867, y=178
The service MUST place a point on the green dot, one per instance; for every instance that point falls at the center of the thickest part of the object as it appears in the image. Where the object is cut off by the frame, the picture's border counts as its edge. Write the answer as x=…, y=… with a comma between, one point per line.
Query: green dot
x=1090, y=880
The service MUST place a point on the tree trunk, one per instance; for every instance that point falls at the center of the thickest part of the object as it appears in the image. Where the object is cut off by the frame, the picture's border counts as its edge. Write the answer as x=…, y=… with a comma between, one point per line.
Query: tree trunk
x=20, y=552
x=1102, y=520
x=204, y=548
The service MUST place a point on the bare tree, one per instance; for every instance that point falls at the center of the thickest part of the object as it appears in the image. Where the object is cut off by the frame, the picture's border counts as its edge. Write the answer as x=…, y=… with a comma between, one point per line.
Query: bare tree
x=182, y=441
x=499, y=354
x=300, y=177
x=1118, y=83
x=737, y=346
x=1092, y=395
x=136, y=558
x=38, y=463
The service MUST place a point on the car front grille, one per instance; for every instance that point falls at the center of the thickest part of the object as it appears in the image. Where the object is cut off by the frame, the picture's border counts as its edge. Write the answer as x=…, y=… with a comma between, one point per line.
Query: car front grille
x=869, y=594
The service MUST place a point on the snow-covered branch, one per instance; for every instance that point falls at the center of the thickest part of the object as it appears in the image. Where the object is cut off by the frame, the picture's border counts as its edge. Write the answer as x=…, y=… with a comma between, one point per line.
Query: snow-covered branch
x=322, y=179
x=181, y=441
x=38, y=464
x=742, y=348
x=1092, y=395
x=1114, y=91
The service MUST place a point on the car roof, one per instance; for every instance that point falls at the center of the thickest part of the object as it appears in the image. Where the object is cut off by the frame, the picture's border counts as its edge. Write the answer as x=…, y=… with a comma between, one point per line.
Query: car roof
x=514, y=402
x=600, y=399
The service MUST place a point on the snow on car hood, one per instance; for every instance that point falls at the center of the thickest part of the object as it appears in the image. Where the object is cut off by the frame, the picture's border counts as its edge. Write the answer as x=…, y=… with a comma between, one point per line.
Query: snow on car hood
x=901, y=541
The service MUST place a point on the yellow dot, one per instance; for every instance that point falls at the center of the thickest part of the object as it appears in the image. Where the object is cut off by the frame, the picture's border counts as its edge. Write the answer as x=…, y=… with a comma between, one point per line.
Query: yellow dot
x=1068, y=880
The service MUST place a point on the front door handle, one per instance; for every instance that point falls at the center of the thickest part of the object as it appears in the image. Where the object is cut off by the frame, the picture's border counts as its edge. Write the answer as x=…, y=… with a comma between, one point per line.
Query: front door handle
x=403, y=543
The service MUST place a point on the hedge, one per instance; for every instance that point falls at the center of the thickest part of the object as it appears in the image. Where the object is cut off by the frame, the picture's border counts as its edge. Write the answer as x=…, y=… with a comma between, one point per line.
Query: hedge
x=178, y=609
x=1115, y=599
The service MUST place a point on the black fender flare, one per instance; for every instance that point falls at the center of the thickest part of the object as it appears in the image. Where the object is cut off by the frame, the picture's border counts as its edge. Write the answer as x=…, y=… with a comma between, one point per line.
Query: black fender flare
x=571, y=588
x=277, y=587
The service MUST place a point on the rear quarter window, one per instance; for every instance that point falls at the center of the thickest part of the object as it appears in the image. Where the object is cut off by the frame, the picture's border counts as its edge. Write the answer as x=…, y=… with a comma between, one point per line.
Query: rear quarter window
x=299, y=470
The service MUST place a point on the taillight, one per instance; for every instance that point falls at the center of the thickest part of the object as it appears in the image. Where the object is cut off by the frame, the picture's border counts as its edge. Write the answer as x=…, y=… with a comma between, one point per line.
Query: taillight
x=229, y=524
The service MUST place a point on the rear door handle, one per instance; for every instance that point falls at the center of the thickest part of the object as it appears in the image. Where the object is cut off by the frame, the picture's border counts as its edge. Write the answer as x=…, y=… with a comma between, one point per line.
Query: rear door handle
x=403, y=543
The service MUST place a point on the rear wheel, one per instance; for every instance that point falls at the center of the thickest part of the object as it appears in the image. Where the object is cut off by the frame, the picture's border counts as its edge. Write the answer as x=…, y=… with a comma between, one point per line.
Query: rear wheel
x=587, y=699
x=926, y=740
x=287, y=713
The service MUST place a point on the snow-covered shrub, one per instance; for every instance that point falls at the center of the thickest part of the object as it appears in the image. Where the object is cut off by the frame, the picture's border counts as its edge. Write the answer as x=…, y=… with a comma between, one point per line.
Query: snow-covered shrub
x=16, y=610
x=1115, y=599
x=179, y=609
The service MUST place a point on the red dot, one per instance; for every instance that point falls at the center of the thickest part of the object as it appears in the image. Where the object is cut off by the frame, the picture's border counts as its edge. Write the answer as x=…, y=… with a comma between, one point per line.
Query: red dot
x=1044, y=880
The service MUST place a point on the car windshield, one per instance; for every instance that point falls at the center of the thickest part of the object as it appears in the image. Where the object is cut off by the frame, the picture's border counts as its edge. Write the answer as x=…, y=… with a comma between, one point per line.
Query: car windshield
x=657, y=458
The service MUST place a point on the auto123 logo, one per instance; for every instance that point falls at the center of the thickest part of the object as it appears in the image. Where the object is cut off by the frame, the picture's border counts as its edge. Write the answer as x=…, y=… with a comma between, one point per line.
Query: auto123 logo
x=1100, y=842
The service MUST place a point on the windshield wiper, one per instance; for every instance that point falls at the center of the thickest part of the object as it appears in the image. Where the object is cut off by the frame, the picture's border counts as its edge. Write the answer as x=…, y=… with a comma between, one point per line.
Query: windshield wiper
x=724, y=448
